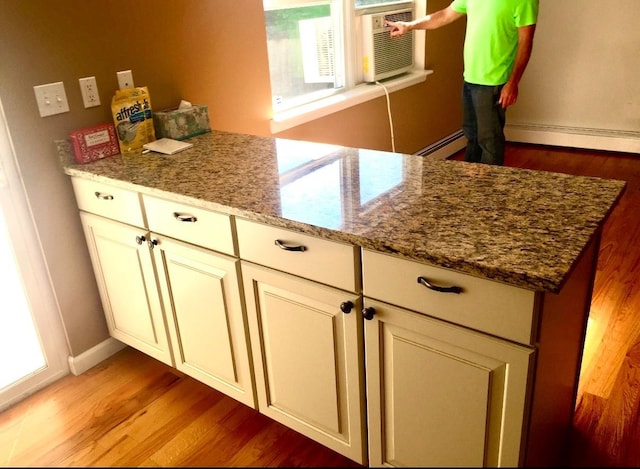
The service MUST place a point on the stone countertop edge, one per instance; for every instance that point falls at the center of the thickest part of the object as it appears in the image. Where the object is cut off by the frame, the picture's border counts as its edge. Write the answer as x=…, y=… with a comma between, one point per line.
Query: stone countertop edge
x=466, y=227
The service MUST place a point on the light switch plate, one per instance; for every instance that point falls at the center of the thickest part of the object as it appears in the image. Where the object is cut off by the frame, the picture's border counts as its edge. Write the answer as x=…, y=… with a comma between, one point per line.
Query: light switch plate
x=51, y=99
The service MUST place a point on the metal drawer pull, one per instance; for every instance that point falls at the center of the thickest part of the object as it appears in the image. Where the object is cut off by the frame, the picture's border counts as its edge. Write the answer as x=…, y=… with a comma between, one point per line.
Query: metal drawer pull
x=452, y=289
x=281, y=245
x=100, y=195
x=140, y=239
x=185, y=218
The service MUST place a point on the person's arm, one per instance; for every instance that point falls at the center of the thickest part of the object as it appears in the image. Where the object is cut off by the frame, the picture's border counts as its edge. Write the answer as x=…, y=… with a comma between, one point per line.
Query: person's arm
x=509, y=94
x=432, y=21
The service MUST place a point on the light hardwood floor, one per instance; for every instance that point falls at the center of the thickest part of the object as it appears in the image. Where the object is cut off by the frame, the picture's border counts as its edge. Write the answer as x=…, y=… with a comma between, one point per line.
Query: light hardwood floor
x=132, y=410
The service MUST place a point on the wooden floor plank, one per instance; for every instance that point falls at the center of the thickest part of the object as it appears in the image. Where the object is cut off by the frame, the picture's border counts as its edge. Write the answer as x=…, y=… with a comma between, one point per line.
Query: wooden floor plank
x=102, y=418
x=197, y=432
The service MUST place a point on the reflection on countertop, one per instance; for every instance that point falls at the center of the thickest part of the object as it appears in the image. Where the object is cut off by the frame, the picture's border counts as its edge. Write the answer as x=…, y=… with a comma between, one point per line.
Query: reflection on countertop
x=522, y=227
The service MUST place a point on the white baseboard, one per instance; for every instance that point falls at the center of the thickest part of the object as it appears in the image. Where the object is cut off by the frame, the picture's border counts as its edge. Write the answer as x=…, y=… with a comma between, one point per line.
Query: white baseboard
x=94, y=355
x=593, y=139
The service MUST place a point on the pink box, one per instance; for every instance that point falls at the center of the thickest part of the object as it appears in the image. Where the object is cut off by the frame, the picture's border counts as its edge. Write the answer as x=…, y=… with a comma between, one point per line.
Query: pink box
x=93, y=143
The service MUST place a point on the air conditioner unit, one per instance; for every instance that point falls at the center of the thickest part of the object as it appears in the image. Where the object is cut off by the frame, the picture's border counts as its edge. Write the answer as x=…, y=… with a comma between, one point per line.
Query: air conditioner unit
x=382, y=55
x=316, y=41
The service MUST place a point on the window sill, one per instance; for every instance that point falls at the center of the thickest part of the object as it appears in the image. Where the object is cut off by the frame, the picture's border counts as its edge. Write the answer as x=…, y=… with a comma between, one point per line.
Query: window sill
x=360, y=94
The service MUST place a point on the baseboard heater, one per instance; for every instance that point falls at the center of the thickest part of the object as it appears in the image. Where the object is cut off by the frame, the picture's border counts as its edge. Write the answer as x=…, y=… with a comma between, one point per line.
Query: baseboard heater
x=445, y=147
x=594, y=139
x=575, y=137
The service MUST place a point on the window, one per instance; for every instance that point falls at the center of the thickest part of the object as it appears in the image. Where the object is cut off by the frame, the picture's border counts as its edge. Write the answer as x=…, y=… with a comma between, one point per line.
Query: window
x=305, y=59
x=316, y=55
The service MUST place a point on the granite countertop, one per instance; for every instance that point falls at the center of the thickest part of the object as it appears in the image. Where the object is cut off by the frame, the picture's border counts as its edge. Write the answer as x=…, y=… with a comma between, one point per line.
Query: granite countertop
x=522, y=227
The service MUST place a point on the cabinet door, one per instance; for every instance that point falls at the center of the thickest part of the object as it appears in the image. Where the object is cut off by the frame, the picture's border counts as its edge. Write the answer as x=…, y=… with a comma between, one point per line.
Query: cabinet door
x=442, y=395
x=307, y=357
x=201, y=297
x=124, y=271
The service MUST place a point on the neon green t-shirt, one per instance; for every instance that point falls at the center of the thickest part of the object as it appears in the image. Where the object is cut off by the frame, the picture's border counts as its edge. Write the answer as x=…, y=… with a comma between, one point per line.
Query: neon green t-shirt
x=491, y=39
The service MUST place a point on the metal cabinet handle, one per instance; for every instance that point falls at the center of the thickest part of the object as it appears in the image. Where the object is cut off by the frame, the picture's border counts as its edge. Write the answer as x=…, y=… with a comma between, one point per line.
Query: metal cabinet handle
x=451, y=289
x=101, y=196
x=152, y=243
x=184, y=218
x=140, y=239
x=368, y=313
x=281, y=245
x=346, y=307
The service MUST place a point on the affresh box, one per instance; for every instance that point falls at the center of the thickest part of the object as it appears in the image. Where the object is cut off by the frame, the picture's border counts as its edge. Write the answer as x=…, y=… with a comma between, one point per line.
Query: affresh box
x=181, y=124
x=93, y=143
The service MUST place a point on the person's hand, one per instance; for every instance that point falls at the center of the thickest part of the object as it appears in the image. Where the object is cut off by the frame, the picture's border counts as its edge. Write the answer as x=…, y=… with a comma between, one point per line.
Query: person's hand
x=508, y=95
x=398, y=28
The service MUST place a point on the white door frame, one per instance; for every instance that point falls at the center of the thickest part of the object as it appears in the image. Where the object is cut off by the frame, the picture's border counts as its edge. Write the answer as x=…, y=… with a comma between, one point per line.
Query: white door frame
x=33, y=273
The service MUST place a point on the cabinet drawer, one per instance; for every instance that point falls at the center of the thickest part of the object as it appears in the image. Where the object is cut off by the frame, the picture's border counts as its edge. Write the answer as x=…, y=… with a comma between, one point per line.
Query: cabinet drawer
x=328, y=262
x=108, y=201
x=499, y=309
x=188, y=223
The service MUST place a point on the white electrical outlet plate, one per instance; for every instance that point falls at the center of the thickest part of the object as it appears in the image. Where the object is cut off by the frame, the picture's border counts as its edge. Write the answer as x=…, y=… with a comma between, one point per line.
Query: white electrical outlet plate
x=89, y=90
x=51, y=99
x=125, y=79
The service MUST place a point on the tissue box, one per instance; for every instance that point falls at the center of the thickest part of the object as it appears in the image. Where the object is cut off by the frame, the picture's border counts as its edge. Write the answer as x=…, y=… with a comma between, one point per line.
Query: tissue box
x=181, y=124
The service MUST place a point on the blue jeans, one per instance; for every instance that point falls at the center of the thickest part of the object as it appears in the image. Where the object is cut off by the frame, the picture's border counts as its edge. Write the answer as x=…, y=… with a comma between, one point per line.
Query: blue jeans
x=483, y=123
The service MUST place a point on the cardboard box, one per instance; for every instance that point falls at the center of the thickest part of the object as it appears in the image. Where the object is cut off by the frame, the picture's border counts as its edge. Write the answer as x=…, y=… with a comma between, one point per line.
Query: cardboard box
x=93, y=143
x=180, y=124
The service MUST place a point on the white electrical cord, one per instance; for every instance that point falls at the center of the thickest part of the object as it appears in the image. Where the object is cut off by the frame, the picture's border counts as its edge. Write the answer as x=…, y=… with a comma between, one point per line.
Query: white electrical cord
x=393, y=142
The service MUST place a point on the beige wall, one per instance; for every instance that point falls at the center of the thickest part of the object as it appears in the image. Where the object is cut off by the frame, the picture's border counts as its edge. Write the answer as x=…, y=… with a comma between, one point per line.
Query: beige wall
x=585, y=69
x=209, y=52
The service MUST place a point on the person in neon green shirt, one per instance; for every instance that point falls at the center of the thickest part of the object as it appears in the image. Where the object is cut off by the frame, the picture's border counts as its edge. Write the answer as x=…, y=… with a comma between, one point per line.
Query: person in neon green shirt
x=497, y=48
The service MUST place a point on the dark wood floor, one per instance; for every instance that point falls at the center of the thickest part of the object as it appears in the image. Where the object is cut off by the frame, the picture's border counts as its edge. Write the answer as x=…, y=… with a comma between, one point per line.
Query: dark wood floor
x=134, y=411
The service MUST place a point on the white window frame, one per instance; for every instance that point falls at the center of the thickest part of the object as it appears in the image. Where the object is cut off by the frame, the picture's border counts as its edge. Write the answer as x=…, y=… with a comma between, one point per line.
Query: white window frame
x=354, y=93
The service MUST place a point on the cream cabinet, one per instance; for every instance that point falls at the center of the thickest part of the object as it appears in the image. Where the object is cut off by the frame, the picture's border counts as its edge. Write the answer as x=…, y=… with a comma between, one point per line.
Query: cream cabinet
x=205, y=318
x=306, y=334
x=495, y=308
x=385, y=360
x=176, y=301
x=439, y=394
x=126, y=280
x=201, y=295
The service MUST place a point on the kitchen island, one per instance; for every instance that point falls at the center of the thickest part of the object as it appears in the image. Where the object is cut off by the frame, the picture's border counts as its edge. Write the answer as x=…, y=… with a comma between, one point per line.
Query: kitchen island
x=360, y=274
